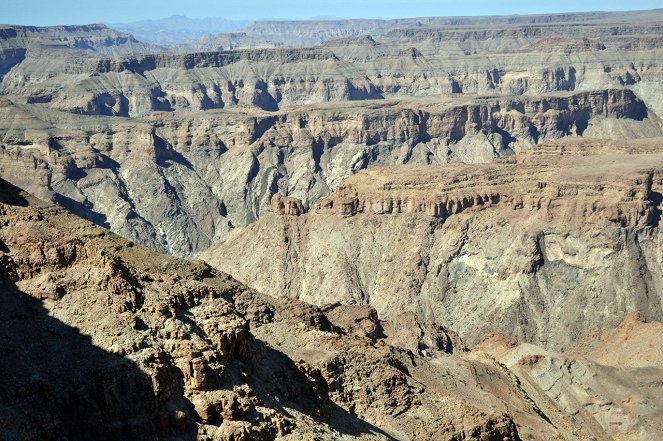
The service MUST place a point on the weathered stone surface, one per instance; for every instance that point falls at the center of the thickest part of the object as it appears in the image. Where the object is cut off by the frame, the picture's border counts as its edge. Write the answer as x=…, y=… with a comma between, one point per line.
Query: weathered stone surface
x=542, y=246
x=212, y=135
x=287, y=206
x=180, y=182
x=402, y=254
x=103, y=339
x=609, y=401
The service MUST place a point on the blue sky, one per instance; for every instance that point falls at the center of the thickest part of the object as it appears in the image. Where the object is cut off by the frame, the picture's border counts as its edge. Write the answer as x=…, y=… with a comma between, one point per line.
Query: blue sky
x=48, y=12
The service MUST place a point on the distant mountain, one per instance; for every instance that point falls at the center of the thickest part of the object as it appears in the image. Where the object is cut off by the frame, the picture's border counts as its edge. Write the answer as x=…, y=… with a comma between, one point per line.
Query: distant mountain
x=326, y=17
x=178, y=28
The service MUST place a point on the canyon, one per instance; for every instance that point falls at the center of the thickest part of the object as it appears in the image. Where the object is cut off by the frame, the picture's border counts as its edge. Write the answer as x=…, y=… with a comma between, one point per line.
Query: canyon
x=544, y=246
x=96, y=121
x=430, y=228
x=104, y=339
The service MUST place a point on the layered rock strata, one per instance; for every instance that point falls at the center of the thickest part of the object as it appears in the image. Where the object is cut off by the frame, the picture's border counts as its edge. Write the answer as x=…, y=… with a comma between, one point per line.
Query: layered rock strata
x=611, y=395
x=175, y=149
x=127, y=343
x=179, y=182
x=103, y=339
x=541, y=246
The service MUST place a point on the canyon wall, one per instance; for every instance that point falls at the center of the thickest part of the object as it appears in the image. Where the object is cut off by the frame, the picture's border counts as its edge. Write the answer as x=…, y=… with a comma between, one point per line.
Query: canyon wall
x=180, y=182
x=543, y=246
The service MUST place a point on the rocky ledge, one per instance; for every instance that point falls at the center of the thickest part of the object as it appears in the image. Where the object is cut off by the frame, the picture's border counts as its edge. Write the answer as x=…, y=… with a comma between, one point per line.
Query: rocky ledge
x=570, y=230
x=126, y=343
x=578, y=189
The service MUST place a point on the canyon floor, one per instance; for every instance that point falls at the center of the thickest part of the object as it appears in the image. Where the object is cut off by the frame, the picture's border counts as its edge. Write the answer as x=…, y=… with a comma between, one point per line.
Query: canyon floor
x=419, y=229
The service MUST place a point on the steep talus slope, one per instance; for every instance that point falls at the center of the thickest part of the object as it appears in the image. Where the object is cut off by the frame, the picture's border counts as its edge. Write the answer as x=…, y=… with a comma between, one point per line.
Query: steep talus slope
x=179, y=182
x=612, y=390
x=106, y=340
x=541, y=246
x=103, y=339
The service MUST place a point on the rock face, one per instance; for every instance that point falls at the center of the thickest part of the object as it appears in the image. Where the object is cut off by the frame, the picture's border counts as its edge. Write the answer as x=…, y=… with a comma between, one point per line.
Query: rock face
x=608, y=401
x=403, y=58
x=473, y=33
x=569, y=231
x=287, y=206
x=208, y=80
x=95, y=38
x=180, y=182
x=633, y=343
x=127, y=343
x=390, y=195
x=174, y=149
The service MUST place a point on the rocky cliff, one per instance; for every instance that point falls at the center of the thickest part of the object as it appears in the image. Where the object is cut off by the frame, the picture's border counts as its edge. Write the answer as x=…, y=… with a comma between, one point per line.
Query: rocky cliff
x=94, y=38
x=413, y=58
x=179, y=182
x=541, y=246
x=103, y=339
x=175, y=149
x=127, y=343
x=389, y=196
x=272, y=79
x=608, y=401
x=314, y=32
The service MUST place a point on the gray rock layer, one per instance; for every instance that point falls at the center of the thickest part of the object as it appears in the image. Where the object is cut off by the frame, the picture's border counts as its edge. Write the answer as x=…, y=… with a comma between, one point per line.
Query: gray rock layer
x=543, y=248
x=180, y=182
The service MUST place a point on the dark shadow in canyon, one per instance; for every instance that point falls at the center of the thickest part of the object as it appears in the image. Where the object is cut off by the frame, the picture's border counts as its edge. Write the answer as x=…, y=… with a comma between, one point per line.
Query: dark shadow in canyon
x=281, y=384
x=56, y=385
x=12, y=195
x=82, y=209
x=657, y=199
